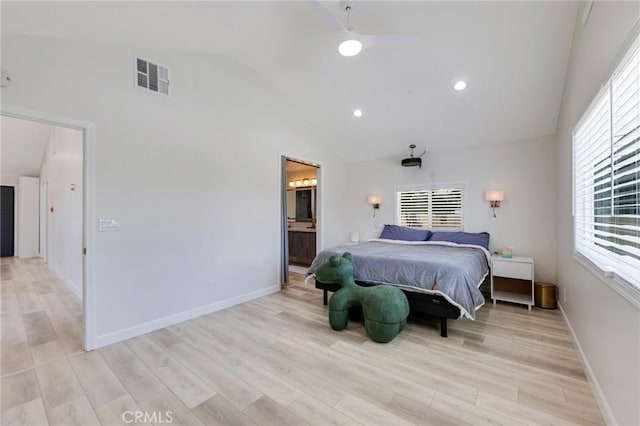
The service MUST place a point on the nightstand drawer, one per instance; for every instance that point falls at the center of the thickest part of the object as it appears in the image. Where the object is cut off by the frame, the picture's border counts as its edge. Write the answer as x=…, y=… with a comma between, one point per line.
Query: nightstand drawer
x=512, y=270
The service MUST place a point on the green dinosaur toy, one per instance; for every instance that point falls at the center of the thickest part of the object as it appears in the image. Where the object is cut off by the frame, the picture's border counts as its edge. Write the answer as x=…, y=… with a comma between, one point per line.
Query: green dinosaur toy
x=385, y=308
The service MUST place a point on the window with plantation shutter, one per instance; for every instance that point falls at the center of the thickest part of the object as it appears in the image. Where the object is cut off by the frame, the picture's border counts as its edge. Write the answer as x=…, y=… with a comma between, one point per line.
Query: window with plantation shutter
x=430, y=207
x=606, y=157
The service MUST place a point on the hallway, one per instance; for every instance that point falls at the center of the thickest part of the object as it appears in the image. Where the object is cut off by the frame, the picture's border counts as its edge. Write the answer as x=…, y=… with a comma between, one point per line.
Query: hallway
x=41, y=316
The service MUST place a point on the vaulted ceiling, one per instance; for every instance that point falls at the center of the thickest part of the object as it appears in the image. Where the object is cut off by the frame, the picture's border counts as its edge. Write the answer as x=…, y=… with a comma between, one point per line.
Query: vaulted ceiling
x=513, y=55
x=22, y=145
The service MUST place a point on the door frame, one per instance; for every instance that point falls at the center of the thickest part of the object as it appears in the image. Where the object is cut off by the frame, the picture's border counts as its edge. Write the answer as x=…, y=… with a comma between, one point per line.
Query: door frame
x=89, y=225
x=284, y=236
x=44, y=220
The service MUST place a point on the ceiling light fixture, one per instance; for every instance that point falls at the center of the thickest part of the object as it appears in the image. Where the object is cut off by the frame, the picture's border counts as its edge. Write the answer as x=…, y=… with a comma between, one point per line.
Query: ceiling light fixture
x=413, y=161
x=460, y=85
x=303, y=182
x=350, y=48
x=357, y=113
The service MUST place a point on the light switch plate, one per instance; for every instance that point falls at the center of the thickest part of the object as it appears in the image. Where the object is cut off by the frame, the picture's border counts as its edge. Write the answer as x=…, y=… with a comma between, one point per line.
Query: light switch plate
x=108, y=224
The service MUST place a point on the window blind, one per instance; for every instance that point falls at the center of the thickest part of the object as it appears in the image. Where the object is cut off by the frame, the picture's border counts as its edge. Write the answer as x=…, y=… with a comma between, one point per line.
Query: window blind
x=606, y=153
x=439, y=208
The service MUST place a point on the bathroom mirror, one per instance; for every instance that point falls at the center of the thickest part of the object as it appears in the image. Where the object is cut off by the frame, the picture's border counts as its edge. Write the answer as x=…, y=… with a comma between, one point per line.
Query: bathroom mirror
x=301, y=204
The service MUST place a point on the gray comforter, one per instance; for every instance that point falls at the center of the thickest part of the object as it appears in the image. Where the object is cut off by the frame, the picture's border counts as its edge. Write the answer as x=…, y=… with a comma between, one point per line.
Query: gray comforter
x=452, y=270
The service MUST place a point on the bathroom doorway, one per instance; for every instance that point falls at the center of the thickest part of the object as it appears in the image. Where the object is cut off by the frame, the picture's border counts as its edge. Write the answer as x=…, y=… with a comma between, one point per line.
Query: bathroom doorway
x=300, y=214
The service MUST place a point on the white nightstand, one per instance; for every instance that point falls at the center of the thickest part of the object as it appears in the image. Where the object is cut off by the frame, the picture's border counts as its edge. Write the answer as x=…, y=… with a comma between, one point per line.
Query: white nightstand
x=512, y=280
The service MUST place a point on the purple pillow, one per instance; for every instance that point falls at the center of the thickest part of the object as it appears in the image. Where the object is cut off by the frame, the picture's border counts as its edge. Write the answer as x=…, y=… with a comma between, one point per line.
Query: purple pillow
x=395, y=232
x=478, y=239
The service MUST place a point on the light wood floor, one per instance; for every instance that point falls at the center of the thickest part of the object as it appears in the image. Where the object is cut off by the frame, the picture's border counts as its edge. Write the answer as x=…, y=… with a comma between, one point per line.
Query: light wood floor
x=275, y=361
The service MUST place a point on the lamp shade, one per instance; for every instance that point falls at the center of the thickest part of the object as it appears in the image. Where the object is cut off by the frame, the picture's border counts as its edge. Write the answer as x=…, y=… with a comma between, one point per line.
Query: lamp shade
x=494, y=195
x=374, y=199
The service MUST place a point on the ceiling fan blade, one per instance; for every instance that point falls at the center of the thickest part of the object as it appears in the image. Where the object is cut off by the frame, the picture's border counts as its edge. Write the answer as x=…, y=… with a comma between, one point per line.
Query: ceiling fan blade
x=378, y=40
x=327, y=15
x=327, y=69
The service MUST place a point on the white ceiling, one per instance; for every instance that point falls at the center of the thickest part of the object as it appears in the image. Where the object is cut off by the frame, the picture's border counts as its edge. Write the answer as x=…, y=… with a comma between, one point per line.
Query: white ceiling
x=293, y=166
x=22, y=146
x=513, y=55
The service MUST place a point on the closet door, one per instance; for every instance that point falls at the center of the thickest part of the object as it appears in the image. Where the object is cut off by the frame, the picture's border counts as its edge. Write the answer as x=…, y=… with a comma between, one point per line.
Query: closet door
x=7, y=221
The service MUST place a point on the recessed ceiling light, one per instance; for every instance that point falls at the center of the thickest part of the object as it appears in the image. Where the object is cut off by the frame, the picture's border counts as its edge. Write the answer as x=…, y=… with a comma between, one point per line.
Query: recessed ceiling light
x=460, y=85
x=350, y=47
x=357, y=113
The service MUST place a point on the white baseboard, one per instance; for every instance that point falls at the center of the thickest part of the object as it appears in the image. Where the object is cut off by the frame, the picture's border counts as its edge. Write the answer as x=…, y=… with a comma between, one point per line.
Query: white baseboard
x=75, y=289
x=609, y=418
x=149, y=326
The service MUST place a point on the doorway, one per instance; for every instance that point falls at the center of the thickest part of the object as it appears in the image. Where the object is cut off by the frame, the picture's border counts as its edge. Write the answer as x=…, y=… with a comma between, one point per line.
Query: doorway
x=7, y=221
x=61, y=192
x=300, y=195
x=44, y=220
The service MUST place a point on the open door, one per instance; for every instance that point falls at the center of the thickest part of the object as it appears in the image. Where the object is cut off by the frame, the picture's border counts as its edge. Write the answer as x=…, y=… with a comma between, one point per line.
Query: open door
x=7, y=221
x=284, y=245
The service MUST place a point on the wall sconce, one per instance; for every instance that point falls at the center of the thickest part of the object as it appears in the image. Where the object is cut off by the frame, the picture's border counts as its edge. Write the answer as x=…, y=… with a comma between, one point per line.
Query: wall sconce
x=494, y=196
x=374, y=200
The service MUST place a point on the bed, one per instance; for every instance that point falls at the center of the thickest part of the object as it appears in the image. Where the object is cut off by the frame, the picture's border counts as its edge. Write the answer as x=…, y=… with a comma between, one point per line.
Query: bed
x=440, y=278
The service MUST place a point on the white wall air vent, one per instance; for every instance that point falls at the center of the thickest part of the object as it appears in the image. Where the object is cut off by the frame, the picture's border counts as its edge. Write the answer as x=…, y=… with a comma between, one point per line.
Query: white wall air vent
x=152, y=76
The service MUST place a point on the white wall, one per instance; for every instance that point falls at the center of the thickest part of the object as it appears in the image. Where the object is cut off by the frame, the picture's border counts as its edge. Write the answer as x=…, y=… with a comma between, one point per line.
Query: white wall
x=523, y=170
x=28, y=200
x=61, y=168
x=9, y=180
x=194, y=177
x=607, y=325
